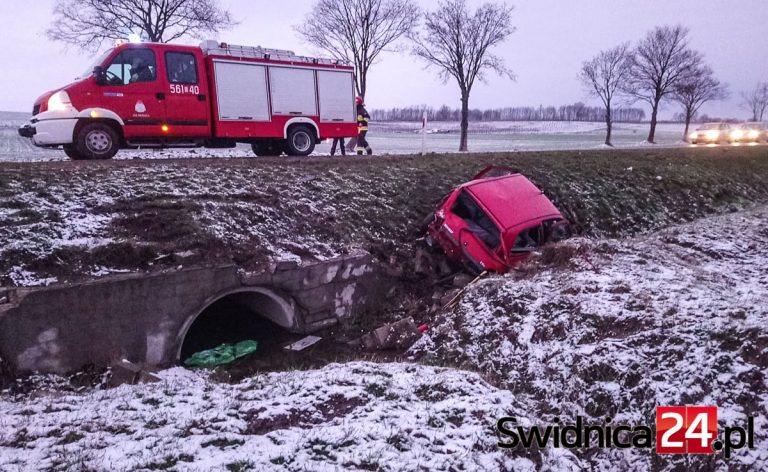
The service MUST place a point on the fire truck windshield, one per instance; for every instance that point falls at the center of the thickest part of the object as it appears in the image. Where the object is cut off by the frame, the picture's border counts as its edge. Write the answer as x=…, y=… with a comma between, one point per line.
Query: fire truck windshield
x=99, y=61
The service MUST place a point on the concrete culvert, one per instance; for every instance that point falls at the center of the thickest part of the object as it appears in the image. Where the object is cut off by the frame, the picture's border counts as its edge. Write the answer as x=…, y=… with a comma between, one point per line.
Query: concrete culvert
x=257, y=314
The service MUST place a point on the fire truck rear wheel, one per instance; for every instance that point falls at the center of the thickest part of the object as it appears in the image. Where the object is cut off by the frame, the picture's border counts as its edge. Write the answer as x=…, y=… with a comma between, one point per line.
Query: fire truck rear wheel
x=300, y=142
x=97, y=141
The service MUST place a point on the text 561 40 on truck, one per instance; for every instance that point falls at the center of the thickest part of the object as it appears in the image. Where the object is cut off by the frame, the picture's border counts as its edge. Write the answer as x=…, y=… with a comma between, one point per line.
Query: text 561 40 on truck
x=216, y=95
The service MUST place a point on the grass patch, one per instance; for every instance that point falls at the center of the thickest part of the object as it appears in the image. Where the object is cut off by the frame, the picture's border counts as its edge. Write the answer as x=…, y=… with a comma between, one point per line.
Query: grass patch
x=238, y=210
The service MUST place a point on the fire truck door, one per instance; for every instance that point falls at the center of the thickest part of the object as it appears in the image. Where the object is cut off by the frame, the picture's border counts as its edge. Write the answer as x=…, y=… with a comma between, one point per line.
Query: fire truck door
x=186, y=100
x=132, y=90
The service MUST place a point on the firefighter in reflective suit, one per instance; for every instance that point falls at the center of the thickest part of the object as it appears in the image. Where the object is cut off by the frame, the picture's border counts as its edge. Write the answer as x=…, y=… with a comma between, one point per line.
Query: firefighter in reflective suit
x=362, y=128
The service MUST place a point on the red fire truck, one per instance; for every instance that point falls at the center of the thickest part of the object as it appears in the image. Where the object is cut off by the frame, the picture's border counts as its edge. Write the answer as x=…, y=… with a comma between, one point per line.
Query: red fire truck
x=140, y=95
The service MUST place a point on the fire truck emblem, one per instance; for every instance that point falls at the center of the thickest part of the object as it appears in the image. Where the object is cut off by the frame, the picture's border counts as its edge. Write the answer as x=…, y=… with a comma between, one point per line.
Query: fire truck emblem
x=140, y=108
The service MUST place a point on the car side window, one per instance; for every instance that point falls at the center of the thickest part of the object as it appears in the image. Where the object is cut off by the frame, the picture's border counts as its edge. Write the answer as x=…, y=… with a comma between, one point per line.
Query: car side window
x=132, y=66
x=527, y=240
x=478, y=221
x=181, y=68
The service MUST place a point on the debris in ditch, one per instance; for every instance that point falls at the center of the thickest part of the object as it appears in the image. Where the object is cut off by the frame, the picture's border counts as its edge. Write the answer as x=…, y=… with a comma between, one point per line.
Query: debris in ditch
x=185, y=257
x=422, y=262
x=398, y=335
x=458, y=295
x=127, y=372
x=461, y=280
x=6, y=296
x=223, y=354
x=303, y=343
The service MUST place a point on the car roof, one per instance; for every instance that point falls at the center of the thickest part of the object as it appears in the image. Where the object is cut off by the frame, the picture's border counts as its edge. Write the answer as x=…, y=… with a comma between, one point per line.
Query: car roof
x=512, y=200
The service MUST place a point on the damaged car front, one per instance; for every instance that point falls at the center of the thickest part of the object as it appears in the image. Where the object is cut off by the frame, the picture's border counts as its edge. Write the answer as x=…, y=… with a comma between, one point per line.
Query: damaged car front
x=494, y=223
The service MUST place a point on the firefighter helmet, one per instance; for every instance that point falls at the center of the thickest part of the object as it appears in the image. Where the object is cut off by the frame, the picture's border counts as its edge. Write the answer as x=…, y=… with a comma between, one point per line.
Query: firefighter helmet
x=359, y=100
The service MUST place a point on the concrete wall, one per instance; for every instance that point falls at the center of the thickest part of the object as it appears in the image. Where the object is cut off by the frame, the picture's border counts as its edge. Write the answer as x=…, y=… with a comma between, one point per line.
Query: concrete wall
x=144, y=318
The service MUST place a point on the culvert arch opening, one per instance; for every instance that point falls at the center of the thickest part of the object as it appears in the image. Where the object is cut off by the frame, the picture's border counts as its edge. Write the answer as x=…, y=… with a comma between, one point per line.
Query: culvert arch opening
x=257, y=313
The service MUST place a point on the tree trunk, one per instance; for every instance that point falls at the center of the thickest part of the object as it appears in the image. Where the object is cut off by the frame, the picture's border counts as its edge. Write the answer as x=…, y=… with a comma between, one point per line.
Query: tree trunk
x=688, y=116
x=608, y=125
x=464, y=120
x=363, y=86
x=654, y=115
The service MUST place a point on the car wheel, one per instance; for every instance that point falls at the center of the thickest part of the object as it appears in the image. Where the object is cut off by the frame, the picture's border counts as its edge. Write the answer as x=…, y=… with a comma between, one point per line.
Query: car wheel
x=72, y=153
x=425, y=222
x=97, y=141
x=300, y=142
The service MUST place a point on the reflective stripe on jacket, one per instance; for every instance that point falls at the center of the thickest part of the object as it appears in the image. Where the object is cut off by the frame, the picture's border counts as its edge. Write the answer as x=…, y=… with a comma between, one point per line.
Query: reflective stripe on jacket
x=362, y=118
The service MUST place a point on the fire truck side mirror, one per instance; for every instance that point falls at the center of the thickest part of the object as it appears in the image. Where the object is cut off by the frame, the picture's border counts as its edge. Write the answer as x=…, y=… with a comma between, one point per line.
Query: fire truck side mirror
x=101, y=77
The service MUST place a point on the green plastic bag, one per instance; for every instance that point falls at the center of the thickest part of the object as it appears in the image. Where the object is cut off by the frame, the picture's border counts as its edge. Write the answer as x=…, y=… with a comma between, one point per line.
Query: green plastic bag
x=221, y=355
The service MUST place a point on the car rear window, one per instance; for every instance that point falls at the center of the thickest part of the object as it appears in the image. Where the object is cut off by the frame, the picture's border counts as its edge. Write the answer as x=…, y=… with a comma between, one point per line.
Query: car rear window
x=478, y=220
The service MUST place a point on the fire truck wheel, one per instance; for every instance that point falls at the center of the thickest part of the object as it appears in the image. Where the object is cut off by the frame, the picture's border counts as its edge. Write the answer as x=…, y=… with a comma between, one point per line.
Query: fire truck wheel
x=301, y=141
x=72, y=153
x=97, y=141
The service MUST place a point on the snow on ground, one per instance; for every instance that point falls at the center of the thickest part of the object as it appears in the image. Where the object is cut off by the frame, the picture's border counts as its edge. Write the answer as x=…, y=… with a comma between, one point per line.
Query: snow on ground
x=169, y=204
x=677, y=317
x=73, y=221
x=527, y=127
x=591, y=327
x=401, y=138
x=360, y=416
x=13, y=119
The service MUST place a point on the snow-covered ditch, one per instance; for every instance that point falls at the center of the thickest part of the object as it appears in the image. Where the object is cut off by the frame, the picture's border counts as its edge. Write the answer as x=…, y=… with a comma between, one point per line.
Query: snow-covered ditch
x=678, y=317
x=359, y=416
x=594, y=328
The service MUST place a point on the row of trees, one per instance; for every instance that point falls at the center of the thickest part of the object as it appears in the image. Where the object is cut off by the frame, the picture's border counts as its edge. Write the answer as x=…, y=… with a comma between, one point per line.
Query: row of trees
x=661, y=66
x=575, y=112
x=756, y=101
x=454, y=40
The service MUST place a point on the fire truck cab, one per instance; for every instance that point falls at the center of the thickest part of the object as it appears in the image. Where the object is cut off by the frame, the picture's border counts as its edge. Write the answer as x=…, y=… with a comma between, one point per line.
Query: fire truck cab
x=139, y=95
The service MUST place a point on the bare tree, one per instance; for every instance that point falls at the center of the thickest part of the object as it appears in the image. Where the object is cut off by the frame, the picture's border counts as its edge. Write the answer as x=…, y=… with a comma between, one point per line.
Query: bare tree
x=89, y=23
x=698, y=88
x=756, y=101
x=458, y=44
x=659, y=63
x=604, y=75
x=358, y=31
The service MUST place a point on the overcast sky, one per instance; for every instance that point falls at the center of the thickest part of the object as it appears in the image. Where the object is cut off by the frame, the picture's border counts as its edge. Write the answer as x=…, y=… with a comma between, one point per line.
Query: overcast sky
x=553, y=37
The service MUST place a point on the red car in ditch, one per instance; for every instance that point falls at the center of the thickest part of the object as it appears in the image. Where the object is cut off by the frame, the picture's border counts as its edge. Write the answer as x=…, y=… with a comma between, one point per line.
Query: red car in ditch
x=495, y=221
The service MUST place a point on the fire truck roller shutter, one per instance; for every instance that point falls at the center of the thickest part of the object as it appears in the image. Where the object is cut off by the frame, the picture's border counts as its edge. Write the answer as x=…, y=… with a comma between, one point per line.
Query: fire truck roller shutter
x=293, y=91
x=337, y=94
x=242, y=91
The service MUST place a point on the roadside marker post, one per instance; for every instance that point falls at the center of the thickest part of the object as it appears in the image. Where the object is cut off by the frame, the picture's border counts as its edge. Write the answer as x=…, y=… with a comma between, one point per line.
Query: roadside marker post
x=424, y=133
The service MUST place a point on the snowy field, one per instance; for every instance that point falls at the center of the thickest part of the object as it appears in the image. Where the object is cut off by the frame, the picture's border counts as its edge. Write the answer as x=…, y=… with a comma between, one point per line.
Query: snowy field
x=596, y=328
x=401, y=138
